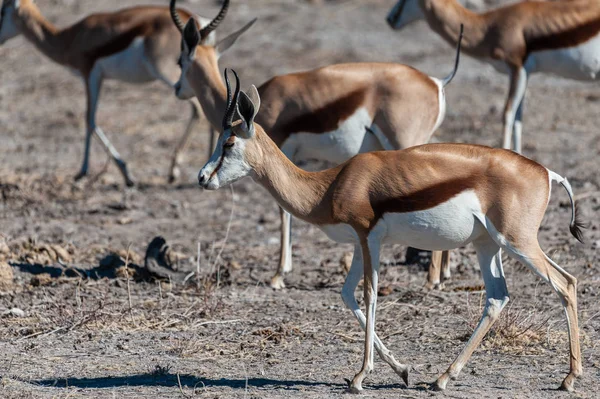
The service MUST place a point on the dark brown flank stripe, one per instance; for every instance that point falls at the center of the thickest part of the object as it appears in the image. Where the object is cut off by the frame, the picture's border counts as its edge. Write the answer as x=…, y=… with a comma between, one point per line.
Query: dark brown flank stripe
x=568, y=38
x=421, y=200
x=143, y=28
x=327, y=118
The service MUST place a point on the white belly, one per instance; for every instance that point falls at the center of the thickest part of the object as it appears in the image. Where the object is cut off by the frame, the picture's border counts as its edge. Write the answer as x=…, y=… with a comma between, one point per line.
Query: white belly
x=581, y=62
x=337, y=146
x=449, y=225
x=130, y=65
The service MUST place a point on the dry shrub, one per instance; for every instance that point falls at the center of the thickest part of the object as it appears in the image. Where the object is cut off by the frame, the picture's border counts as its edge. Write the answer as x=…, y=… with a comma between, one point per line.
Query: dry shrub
x=29, y=251
x=6, y=275
x=279, y=334
x=517, y=331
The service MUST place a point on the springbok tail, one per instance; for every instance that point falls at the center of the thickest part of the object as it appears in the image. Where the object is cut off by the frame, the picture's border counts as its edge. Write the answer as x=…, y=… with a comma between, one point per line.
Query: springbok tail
x=576, y=223
x=449, y=78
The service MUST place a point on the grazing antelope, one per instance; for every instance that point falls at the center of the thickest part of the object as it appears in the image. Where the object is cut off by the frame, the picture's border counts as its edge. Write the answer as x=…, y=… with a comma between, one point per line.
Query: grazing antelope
x=135, y=45
x=322, y=114
x=562, y=38
x=433, y=196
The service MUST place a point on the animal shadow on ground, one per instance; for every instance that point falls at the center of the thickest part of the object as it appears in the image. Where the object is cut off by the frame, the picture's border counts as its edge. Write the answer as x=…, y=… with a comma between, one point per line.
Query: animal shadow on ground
x=173, y=380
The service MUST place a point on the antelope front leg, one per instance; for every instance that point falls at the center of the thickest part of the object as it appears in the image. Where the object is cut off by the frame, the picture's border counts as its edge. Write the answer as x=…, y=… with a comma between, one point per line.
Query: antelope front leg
x=285, y=250
x=518, y=85
x=370, y=249
x=93, y=84
x=352, y=280
x=518, y=128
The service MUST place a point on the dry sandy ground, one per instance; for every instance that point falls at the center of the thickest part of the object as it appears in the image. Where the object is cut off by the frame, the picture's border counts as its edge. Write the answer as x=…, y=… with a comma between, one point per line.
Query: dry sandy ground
x=86, y=332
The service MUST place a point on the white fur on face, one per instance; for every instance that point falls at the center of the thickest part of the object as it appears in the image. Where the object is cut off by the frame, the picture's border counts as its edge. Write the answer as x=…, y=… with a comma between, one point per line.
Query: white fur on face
x=183, y=88
x=230, y=164
x=404, y=13
x=8, y=29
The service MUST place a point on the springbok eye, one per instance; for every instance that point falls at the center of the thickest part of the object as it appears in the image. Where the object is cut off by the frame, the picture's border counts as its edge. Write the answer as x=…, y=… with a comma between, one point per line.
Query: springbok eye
x=179, y=63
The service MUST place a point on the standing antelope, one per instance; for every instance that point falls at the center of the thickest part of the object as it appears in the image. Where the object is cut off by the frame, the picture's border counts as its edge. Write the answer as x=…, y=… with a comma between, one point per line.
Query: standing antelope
x=433, y=196
x=135, y=45
x=562, y=38
x=322, y=114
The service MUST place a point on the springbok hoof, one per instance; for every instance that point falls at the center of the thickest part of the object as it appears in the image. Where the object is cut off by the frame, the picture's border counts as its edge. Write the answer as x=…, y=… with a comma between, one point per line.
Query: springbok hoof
x=277, y=283
x=174, y=175
x=568, y=384
x=80, y=176
x=354, y=387
x=440, y=383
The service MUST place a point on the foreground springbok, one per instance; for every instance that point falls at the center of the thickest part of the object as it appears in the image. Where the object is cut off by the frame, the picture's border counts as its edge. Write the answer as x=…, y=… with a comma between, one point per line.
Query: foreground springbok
x=434, y=196
x=322, y=114
x=562, y=38
x=135, y=45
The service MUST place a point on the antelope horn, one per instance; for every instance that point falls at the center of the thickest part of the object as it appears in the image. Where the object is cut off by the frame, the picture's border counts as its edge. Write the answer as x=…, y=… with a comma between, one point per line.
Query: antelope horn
x=225, y=123
x=231, y=103
x=175, y=16
x=204, y=32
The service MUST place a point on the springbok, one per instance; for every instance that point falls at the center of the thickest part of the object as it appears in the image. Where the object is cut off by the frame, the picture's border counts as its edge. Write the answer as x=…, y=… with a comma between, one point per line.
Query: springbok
x=433, y=196
x=135, y=45
x=322, y=114
x=561, y=38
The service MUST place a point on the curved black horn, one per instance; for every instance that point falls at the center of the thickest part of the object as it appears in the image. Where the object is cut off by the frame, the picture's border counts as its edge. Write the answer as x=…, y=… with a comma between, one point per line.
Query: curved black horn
x=175, y=16
x=204, y=32
x=228, y=105
x=228, y=119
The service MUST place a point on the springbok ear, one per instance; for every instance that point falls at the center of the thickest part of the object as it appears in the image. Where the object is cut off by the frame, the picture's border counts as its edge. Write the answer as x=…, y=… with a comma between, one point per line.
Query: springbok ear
x=255, y=99
x=226, y=43
x=191, y=36
x=247, y=112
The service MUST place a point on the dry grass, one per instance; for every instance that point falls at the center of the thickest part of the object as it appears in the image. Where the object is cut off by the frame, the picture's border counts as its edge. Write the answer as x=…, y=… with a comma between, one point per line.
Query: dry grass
x=517, y=331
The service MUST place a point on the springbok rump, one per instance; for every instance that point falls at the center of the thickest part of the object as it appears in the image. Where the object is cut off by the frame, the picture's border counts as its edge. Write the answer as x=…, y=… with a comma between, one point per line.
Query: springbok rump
x=434, y=196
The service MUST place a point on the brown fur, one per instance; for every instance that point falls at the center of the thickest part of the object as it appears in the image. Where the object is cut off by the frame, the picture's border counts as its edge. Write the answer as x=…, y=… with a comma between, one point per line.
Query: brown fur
x=99, y=35
x=359, y=191
x=512, y=32
x=318, y=101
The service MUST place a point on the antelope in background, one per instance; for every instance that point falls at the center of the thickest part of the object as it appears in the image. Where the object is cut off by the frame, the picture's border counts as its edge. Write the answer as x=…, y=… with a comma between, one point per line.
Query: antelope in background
x=136, y=45
x=322, y=114
x=560, y=37
x=433, y=196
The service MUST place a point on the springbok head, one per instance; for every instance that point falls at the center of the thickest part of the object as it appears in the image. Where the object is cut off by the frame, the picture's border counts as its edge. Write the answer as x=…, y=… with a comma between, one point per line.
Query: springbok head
x=237, y=148
x=199, y=59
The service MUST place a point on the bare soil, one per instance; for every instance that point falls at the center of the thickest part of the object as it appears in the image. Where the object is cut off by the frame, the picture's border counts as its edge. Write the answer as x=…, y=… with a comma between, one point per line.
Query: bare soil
x=75, y=323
